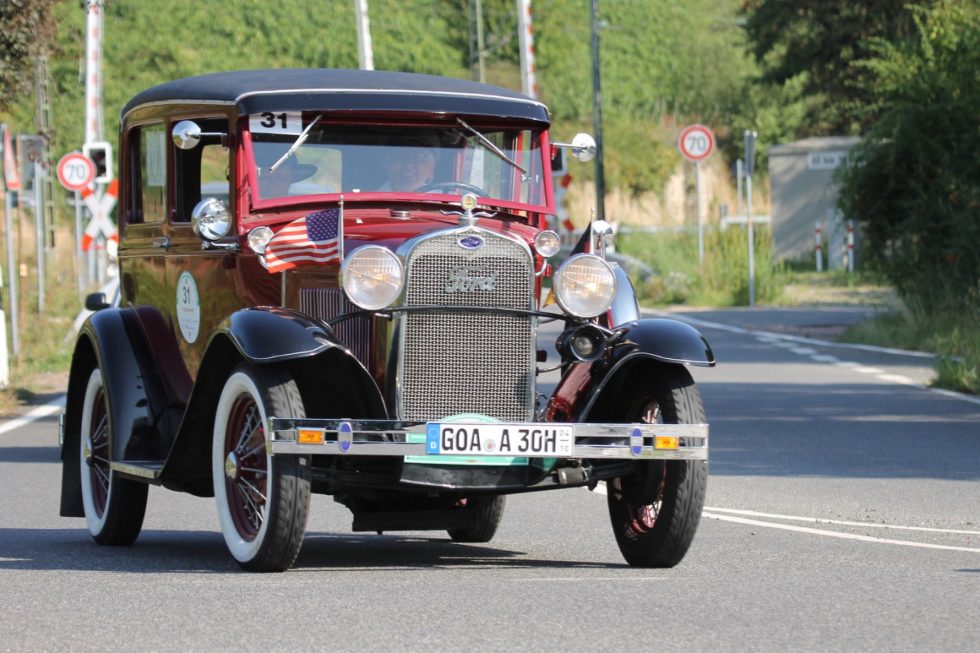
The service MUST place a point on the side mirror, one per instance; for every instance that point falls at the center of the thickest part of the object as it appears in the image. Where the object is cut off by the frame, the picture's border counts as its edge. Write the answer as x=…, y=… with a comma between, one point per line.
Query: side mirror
x=583, y=147
x=96, y=302
x=210, y=219
x=187, y=134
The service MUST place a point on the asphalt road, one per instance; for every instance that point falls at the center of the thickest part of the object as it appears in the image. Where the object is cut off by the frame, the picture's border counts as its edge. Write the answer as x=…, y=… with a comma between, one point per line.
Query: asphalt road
x=843, y=514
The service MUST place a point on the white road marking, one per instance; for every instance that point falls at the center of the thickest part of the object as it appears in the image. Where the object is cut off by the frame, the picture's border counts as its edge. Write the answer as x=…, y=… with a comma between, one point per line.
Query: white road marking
x=820, y=520
x=35, y=414
x=851, y=364
x=824, y=358
x=715, y=513
x=868, y=370
x=583, y=578
x=839, y=535
x=803, y=351
x=898, y=378
x=954, y=395
x=782, y=336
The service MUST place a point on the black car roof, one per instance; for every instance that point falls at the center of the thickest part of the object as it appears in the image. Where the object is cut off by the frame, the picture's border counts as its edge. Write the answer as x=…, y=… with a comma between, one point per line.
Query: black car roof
x=285, y=89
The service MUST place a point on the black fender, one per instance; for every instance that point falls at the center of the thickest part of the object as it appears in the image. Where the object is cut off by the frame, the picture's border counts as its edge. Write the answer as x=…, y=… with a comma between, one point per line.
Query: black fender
x=331, y=380
x=113, y=340
x=273, y=334
x=650, y=343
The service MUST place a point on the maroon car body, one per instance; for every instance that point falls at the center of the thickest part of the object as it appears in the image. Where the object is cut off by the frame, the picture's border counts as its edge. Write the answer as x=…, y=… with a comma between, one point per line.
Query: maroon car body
x=331, y=282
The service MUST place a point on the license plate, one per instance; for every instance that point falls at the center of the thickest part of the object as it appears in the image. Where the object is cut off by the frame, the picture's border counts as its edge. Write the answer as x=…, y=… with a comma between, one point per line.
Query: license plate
x=552, y=440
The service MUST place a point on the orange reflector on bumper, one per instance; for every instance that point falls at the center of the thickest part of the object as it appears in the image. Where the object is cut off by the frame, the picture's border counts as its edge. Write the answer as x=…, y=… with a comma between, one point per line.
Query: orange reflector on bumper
x=309, y=437
x=667, y=442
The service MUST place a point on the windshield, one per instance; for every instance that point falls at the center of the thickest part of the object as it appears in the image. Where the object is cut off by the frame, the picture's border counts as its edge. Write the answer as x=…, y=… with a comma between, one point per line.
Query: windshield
x=350, y=159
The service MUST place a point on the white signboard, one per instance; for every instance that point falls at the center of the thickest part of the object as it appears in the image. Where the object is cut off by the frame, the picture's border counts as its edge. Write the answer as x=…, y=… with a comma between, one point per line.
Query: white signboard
x=825, y=160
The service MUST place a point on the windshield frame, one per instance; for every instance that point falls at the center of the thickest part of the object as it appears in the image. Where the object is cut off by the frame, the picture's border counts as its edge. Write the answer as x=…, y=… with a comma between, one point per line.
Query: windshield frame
x=541, y=166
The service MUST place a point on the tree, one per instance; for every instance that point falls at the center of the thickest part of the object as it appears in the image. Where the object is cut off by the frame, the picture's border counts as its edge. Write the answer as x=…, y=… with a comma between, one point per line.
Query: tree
x=914, y=181
x=818, y=43
x=25, y=32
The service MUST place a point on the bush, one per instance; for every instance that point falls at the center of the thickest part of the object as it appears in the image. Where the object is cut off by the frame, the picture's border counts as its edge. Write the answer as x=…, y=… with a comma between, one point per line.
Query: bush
x=679, y=279
x=914, y=181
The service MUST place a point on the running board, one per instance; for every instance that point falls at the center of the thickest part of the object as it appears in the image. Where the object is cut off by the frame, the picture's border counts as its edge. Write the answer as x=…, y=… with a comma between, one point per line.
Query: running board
x=146, y=470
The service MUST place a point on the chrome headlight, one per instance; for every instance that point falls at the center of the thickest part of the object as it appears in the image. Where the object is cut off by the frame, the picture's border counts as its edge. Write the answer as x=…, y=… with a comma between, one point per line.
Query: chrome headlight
x=373, y=277
x=585, y=286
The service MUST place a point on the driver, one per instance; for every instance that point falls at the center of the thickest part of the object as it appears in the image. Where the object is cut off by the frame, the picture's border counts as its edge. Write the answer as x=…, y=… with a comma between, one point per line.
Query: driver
x=410, y=163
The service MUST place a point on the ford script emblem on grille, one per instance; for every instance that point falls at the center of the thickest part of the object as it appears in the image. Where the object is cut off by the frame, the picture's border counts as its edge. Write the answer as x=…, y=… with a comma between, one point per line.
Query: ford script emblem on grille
x=470, y=242
x=463, y=280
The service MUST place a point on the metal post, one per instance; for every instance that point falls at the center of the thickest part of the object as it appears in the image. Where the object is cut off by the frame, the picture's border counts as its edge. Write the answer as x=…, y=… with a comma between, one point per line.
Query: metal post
x=365, y=52
x=8, y=206
x=739, y=175
x=600, y=178
x=39, y=235
x=526, y=38
x=748, y=207
x=697, y=192
x=79, y=264
x=819, y=250
x=850, y=246
x=481, y=54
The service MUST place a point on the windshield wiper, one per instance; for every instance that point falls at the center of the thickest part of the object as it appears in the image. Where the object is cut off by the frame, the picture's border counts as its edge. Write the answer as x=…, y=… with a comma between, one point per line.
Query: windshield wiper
x=487, y=143
x=296, y=145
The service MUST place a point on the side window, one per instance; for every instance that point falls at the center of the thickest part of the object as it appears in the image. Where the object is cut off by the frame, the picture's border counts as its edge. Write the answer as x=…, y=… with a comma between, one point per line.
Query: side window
x=151, y=158
x=203, y=171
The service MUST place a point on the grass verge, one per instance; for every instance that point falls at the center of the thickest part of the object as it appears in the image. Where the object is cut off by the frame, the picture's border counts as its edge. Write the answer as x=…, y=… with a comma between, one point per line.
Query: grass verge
x=45, y=346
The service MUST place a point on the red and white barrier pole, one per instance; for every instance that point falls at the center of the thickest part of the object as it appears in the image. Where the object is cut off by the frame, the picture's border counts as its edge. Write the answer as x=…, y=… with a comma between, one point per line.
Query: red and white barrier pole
x=818, y=249
x=850, y=245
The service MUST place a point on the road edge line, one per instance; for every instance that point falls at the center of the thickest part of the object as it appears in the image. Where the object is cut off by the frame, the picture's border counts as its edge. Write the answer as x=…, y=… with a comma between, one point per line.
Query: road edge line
x=34, y=414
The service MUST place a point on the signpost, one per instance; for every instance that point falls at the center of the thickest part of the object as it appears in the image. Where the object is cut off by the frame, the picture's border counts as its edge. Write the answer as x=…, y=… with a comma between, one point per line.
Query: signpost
x=696, y=143
x=750, y=138
x=76, y=172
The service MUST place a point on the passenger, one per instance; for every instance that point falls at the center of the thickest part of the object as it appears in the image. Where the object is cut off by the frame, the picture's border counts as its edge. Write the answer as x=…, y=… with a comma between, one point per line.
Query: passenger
x=410, y=163
x=289, y=179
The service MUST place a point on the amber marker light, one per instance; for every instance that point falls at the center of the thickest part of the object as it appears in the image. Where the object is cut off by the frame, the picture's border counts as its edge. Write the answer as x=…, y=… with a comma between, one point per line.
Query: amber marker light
x=667, y=442
x=307, y=436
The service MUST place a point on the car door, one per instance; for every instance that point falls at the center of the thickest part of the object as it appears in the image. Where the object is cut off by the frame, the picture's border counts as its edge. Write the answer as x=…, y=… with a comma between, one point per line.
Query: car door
x=201, y=276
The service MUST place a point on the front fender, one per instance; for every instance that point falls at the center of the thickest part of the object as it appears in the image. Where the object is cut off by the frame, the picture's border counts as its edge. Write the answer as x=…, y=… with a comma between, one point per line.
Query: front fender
x=272, y=334
x=668, y=341
x=650, y=342
x=112, y=340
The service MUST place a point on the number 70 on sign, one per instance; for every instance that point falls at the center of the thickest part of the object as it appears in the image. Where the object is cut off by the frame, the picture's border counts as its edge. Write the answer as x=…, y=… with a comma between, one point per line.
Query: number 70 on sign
x=696, y=143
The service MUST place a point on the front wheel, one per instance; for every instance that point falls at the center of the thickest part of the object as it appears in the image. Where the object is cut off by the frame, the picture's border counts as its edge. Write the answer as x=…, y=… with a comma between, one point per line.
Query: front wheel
x=114, y=507
x=486, y=512
x=262, y=500
x=656, y=510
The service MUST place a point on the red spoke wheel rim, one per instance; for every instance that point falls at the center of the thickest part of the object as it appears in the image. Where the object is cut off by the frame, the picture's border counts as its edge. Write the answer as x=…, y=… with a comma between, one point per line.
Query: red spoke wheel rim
x=246, y=466
x=643, y=516
x=99, y=460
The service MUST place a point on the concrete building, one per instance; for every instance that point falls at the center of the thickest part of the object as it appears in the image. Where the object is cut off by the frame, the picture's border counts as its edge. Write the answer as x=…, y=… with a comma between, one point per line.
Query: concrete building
x=804, y=196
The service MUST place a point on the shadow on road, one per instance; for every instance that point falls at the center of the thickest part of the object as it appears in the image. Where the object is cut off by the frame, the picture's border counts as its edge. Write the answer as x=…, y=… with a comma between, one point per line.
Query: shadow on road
x=204, y=552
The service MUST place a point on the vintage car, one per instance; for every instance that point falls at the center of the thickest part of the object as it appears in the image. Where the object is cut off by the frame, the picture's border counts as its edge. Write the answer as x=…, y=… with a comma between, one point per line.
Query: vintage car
x=333, y=281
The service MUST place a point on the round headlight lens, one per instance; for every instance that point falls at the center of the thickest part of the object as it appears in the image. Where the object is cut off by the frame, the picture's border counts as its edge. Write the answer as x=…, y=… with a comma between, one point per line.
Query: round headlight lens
x=547, y=243
x=373, y=277
x=258, y=238
x=585, y=286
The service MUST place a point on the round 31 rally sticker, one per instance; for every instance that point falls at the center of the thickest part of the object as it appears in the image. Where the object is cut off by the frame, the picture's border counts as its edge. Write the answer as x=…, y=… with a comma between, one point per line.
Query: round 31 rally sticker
x=188, y=307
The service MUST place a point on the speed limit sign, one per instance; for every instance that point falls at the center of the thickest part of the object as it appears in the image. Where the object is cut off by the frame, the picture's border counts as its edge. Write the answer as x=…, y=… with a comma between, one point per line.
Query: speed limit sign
x=696, y=143
x=75, y=171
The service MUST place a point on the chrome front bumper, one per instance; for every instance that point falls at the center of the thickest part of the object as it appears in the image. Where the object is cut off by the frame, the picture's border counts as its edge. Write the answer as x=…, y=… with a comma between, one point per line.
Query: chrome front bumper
x=394, y=438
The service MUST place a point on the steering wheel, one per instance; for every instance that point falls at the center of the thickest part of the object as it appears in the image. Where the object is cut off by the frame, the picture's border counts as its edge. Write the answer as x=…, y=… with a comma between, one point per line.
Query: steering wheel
x=446, y=185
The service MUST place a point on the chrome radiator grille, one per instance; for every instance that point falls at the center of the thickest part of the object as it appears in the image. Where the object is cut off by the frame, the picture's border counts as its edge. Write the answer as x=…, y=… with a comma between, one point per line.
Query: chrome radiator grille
x=328, y=303
x=465, y=361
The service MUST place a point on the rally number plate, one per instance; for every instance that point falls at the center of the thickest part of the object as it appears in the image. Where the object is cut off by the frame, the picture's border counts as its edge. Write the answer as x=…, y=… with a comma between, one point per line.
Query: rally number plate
x=539, y=440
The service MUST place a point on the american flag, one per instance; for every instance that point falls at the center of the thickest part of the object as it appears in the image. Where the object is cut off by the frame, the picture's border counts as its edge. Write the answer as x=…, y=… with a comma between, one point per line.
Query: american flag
x=315, y=238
